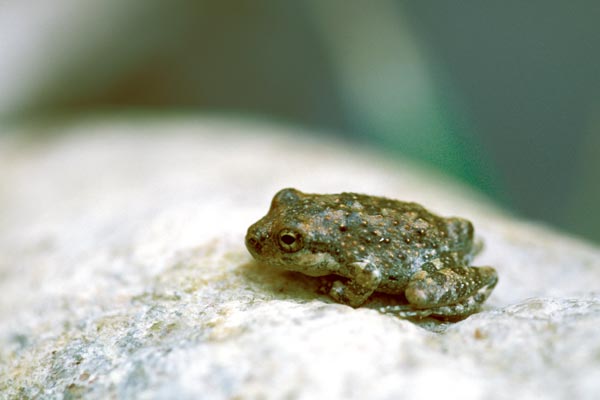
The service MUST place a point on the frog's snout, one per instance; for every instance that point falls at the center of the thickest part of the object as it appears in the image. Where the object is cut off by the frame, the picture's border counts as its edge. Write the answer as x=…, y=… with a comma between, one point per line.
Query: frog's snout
x=254, y=240
x=253, y=244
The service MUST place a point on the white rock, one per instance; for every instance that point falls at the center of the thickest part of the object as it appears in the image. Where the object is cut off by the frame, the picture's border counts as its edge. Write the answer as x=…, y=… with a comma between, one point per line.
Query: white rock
x=123, y=274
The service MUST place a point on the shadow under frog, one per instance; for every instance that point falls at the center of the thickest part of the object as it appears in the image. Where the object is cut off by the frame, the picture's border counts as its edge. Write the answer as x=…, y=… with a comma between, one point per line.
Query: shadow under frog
x=285, y=284
x=365, y=247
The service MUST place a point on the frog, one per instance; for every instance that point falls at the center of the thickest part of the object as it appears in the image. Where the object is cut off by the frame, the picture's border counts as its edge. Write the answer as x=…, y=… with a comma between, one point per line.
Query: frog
x=375, y=244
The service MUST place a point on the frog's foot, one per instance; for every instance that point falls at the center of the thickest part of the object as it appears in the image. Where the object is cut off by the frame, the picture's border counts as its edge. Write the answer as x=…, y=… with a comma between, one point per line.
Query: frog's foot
x=451, y=291
x=452, y=311
x=363, y=282
x=405, y=311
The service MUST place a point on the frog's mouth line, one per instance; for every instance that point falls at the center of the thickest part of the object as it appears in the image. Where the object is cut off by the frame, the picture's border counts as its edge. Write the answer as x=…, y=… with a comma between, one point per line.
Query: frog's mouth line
x=318, y=264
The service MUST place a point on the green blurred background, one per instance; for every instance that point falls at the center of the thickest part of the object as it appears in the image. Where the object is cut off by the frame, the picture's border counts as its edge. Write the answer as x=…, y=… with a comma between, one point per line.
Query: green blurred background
x=502, y=95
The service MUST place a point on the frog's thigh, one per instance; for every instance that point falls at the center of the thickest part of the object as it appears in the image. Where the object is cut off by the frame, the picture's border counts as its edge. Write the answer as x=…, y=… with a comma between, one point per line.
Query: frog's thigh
x=431, y=287
x=364, y=279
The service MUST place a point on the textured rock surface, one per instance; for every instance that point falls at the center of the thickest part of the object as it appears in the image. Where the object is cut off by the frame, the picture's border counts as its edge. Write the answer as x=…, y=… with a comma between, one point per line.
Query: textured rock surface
x=123, y=274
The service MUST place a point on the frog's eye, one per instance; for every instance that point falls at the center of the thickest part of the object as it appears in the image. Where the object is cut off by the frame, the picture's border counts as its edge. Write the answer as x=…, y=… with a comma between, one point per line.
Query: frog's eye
x=290, y=241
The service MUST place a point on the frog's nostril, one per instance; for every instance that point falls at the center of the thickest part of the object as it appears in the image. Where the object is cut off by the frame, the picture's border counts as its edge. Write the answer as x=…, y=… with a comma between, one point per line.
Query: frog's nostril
x=253, y=242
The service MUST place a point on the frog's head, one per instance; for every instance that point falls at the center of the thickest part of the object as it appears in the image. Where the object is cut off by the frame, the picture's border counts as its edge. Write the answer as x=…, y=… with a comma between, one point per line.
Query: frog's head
x=283, y=237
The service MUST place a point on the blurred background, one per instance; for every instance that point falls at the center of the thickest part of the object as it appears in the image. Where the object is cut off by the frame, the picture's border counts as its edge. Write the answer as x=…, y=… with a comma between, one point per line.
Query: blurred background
x=504, y=96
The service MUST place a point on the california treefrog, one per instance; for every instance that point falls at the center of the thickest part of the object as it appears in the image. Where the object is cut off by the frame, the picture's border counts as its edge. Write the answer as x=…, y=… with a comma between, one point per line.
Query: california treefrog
x=378, y=244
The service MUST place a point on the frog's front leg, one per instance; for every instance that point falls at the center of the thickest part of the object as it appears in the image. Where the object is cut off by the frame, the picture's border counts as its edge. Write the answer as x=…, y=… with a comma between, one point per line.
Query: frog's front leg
x=451, y=290
x=364, y=279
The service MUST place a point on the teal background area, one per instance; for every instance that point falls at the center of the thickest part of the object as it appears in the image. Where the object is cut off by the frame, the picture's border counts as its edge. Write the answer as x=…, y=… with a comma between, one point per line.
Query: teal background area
x=504, y=96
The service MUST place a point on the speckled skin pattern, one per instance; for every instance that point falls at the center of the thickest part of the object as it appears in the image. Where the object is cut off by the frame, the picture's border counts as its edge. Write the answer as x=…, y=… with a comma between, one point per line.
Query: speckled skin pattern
x=378, y=244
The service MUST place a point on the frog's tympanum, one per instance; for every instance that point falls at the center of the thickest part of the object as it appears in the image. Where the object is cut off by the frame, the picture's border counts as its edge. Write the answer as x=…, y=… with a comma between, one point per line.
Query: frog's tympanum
x=377, y=245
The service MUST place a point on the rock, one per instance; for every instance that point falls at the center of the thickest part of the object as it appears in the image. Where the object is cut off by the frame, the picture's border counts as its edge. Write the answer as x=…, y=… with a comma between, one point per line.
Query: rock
x=124, y=275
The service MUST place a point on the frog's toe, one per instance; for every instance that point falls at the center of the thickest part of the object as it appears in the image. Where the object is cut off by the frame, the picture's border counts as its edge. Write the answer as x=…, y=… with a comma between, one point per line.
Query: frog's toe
x=337, y=291
x=423, y=291
x=405, y=311
x=348, y=294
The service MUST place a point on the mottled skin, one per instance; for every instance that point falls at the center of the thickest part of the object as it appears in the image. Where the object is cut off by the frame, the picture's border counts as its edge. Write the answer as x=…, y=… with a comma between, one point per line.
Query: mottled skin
x=380, y=245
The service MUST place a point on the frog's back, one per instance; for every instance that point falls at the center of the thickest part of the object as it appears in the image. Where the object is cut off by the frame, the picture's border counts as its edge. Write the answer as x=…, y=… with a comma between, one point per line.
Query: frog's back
x=455, y=234
x=401, y=211
x=400, y=237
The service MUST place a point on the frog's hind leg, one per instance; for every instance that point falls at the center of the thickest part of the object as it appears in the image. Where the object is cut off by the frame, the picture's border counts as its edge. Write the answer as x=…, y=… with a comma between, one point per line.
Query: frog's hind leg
x=449, y=291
